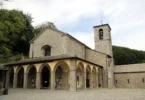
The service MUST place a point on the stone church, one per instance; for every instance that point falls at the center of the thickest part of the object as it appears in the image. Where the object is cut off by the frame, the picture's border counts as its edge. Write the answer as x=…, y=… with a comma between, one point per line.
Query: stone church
x=58, y=61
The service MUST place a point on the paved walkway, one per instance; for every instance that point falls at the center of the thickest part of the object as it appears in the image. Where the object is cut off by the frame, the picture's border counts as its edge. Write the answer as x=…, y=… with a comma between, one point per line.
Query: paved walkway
x=93, y=94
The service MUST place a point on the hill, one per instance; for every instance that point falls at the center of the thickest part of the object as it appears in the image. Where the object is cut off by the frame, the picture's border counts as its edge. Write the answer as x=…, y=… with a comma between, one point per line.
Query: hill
x=123, y=55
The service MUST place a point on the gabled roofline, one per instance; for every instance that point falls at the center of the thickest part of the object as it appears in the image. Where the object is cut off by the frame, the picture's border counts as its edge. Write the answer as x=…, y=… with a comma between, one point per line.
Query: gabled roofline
x=44, y=31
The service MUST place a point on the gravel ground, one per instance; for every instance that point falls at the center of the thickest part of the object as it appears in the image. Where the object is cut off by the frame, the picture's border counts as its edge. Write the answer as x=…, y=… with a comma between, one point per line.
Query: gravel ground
x=89, y=94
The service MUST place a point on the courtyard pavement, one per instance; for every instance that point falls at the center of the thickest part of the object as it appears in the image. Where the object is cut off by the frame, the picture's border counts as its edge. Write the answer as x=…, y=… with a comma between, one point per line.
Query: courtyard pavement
x=89, y=94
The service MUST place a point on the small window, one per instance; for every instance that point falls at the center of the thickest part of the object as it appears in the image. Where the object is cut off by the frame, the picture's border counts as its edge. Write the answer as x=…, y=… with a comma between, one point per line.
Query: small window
x=116, y=81
x=128, y=81
x=46, y=50
x=101, y=34
x=143, y=80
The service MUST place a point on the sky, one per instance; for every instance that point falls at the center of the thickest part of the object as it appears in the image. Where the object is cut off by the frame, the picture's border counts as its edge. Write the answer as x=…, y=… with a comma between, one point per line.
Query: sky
x=77, y=17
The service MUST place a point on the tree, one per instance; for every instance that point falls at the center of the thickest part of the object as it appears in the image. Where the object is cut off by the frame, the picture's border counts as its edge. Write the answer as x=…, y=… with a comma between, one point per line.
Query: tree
x=15, y=32
x=124, y=55
x=43, y=26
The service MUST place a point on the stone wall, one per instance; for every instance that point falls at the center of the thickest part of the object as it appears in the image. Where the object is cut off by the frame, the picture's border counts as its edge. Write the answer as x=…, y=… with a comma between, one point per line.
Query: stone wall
x=48, y=37
x=130, y=76
x=74, y=47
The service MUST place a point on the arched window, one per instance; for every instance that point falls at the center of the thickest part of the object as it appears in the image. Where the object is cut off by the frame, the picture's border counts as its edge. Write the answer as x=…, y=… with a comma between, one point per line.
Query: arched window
x=46, y=50
x=100, y=33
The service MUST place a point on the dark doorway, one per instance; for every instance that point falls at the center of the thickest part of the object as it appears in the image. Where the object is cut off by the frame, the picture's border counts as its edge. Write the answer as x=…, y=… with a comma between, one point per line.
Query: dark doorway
x=11, y=78
x=45, y=77
x=20, y=78
x=87, y=80
x=32, y=78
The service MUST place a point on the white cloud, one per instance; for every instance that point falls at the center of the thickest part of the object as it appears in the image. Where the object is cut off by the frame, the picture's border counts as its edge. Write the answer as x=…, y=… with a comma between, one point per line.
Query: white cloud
x=126, y=17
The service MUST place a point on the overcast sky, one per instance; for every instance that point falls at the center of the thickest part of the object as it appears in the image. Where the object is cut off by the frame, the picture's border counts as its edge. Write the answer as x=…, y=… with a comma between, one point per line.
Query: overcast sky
x=77, y=17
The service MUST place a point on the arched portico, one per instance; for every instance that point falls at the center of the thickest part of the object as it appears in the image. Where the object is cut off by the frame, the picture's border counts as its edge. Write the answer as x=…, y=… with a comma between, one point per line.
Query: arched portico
x=88, y=76
x=80, y=75
x=45, y=76
x=31, y=77
x=20, y=77
x=61, y=75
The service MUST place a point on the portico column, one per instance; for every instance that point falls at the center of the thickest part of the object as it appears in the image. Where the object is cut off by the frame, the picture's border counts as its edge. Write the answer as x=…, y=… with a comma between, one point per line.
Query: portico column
x=25, y=80
x=84, y=80
x=73, y=75
x=52, y=80
x=38, y=80
x=100, y=78
x=91, y=80
x=73, y=80
x=15, y=80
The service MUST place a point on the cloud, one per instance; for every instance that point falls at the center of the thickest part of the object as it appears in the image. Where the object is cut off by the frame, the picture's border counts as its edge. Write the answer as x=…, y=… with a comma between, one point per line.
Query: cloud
x=126, y=17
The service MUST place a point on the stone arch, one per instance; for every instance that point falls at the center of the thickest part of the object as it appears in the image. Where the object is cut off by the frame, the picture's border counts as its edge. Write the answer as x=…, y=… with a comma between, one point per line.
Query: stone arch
x=45, y=75
x=31, y=70
x=11, y=76
x=61, y=70
x=94, y=77
x=80, y=75
x=88, y=76
x=20, y=77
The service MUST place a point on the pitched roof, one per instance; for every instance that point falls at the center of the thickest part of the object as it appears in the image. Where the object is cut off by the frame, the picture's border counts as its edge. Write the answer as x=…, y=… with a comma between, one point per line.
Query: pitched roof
x=44, y=31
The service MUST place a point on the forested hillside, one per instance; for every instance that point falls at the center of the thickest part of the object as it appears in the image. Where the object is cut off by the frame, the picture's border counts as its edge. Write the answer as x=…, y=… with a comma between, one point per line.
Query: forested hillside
x=16, y=31
x=124, y=55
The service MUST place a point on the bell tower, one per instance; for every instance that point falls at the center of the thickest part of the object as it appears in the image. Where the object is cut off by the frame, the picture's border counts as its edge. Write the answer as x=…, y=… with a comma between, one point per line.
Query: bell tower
x=103, y=44
x=103, y=41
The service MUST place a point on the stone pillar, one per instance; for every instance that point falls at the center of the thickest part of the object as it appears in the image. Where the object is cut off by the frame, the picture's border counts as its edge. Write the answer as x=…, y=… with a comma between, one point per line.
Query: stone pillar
x=15, y=80
x=100, y=78
x=38, y=80
x=73, y=80
x=65, y=80
x=91, y=80
x=84, y=82
x=52, y=80
x=25, y=80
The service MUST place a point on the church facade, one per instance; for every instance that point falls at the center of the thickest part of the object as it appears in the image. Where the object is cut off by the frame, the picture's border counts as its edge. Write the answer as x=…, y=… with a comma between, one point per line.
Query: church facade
x=59, y=61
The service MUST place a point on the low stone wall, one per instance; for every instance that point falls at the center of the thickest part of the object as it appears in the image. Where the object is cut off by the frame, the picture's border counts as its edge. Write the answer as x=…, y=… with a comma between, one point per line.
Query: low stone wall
x=130, y=76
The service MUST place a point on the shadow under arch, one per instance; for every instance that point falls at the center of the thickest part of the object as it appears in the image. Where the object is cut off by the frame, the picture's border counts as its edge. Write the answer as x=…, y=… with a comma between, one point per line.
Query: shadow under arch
x=88, y=76
x=45, y=78
x=61, y=70
x=31, y=83
x=20, y=77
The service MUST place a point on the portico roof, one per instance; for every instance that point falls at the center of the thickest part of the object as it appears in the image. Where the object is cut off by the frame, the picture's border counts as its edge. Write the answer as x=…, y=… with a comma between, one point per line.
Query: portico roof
x=46, y=59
